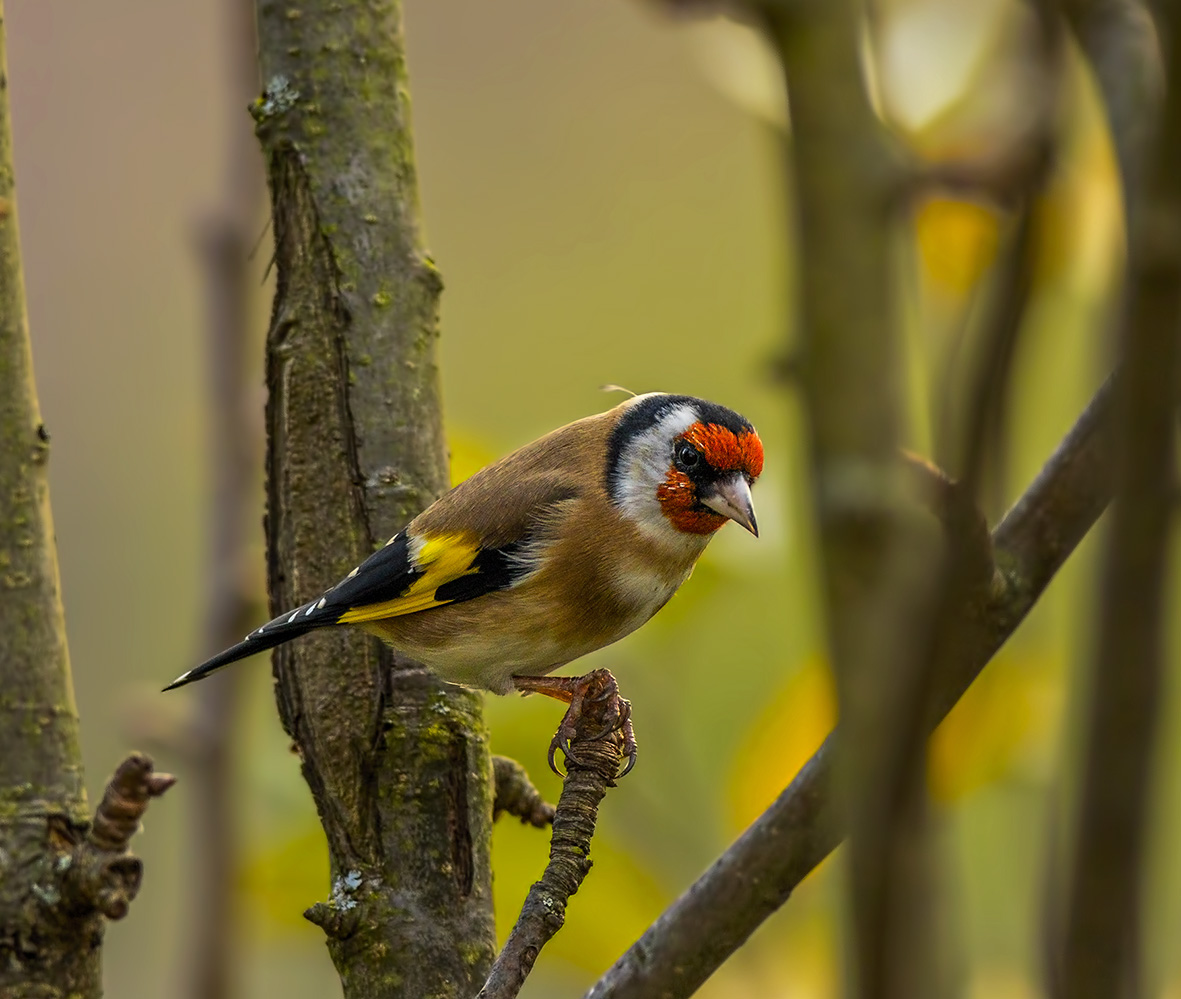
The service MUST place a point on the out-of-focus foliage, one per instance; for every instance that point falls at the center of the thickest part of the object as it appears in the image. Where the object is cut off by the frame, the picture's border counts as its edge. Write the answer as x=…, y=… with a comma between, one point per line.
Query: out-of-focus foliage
x=602, y=191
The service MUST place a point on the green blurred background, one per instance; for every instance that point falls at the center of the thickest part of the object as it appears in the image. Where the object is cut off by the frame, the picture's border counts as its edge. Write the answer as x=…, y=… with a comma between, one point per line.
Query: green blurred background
x=602, y=188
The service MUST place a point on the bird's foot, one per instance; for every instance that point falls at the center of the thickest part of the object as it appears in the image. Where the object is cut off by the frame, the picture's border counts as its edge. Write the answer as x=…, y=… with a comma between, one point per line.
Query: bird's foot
x=596, y=712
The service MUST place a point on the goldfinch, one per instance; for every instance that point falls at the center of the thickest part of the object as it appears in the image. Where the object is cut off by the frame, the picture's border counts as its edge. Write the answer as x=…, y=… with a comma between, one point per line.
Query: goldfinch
x=561, y=548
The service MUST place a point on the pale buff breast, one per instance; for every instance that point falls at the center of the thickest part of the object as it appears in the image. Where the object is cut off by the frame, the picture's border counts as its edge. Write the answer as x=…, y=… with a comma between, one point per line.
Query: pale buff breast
x=585, y=596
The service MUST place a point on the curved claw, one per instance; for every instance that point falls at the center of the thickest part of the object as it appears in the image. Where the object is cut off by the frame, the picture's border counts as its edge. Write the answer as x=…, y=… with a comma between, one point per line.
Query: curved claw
x=595, y=687
x=553, y=748
x=631, y=762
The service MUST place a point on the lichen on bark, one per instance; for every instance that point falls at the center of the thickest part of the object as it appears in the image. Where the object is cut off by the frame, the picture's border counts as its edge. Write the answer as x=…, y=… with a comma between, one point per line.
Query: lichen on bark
x=397, y=762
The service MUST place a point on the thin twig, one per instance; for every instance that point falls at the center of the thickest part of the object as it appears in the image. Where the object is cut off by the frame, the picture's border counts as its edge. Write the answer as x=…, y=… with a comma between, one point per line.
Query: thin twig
x=235, y=449
x=516, y=795
x=758, y=873
x=102, y=875
x=591, y=770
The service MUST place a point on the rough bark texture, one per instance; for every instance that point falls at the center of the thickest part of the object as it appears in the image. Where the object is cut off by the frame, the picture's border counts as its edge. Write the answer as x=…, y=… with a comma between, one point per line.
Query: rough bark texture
x=43, y=802
x=593, y=762
x=516, y=795
x=42, y=798
x=59, y=876
x=398, y=762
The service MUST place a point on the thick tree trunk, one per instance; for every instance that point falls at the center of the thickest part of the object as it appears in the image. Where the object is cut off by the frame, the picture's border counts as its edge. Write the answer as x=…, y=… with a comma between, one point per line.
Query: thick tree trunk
x=398, y=762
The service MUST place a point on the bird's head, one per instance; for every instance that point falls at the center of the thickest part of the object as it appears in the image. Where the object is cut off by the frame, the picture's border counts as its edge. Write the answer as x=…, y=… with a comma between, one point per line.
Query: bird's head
x=683, y=465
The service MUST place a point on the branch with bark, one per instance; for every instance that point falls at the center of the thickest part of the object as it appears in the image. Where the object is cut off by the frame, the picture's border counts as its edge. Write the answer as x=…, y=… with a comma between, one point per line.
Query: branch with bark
x=1101, y=942
x=516, y=795
x=759, y=872
x=100, y=875
x=61, y=876
x=397, y=761
x=592, y=764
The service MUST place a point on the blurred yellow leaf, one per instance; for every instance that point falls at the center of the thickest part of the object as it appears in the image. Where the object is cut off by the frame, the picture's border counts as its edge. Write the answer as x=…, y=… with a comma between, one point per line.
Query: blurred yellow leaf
x=993, y=726
x=279, y=882
x=783, y=736
x=1002, y=983
x=1080, y=217
x=957, y=242
x=615, y=904
x=469, y=453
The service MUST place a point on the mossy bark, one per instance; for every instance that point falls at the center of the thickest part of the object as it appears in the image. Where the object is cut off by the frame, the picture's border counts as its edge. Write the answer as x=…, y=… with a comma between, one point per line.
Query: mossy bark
x=397, y=761
x=44, y=951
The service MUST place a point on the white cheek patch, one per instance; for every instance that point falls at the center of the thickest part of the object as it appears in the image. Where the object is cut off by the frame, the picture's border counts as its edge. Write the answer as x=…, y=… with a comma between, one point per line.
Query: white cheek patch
x=644, y=465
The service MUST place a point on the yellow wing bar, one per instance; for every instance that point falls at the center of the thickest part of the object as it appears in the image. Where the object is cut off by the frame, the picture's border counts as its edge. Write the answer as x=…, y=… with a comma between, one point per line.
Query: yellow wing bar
x=442, y=559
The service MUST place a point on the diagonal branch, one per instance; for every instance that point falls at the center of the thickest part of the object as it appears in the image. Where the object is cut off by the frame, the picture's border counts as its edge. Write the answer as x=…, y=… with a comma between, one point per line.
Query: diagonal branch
x=759, y=871
x=516, y=794
x=592, y=767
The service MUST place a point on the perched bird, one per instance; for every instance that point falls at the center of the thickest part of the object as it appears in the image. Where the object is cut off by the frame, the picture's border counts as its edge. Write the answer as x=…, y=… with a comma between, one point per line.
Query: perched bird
x=561, y=548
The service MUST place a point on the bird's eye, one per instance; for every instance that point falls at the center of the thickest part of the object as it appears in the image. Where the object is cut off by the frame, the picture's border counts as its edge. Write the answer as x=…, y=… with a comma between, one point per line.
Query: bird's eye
x=686, y=456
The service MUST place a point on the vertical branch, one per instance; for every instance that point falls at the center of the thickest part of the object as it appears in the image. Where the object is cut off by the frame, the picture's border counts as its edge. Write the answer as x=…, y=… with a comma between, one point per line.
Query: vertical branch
x=40, y=757
x=234, y=448
x=56, y=883
x=878, y=553
x=1119, y=38
x=398, y=762
x=1101, y=943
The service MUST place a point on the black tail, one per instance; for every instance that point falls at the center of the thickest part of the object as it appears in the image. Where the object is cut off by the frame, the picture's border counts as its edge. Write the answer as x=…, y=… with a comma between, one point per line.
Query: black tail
x=282, y=629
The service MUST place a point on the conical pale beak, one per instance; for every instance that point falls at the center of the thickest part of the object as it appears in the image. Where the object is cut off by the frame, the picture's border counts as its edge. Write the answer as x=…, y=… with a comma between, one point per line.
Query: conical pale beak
x=731, y=498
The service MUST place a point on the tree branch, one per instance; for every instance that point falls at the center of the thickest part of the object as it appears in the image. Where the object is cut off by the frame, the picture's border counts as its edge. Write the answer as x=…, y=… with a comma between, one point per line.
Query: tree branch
x=56, y=883
x=101, y=875
x=1101, y=944
x=516, y=794
x=879, y=555
x=758, y=873
x=1120, y=41
x=397, y=762
x=592, y=766
x=224, y=239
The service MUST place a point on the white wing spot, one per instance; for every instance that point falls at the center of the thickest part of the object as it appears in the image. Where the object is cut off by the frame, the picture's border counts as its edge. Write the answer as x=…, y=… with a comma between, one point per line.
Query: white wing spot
x=311, y=610
x=293, y=617
x=320, y=605
x=390, y=542
x=353, y=573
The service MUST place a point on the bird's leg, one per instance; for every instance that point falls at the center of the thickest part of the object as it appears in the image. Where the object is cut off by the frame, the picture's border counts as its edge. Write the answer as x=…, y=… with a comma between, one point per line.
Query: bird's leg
x=593, y=699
